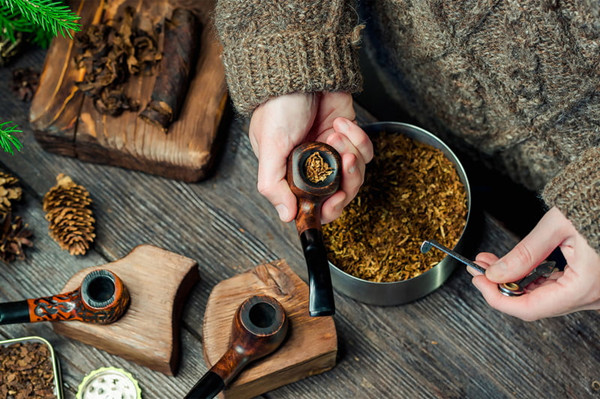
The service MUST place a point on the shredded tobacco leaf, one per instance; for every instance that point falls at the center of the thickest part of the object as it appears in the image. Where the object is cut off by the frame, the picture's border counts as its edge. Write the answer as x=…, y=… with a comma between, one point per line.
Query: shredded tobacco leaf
x=411, y=192
x=110, y=53
x=26, y=371
x=317, y=169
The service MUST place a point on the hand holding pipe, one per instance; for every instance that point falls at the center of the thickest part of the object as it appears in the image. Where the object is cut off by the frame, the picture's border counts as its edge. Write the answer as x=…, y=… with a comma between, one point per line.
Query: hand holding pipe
x=102, y=298
x=259, y=327
x=311, y=193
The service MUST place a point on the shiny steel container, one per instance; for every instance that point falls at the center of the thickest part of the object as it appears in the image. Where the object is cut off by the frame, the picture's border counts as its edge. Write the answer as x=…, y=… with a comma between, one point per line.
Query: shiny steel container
x=58, y=390
x=399, y=292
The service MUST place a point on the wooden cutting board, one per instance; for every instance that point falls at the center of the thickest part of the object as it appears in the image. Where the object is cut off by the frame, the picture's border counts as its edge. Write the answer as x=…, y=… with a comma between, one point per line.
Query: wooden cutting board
x=159, y=282
x=65, y=120
x=310, y=347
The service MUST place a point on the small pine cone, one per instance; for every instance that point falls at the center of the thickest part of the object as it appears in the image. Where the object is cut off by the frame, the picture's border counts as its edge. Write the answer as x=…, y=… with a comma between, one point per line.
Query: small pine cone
x=71, y=220
x=13, y=236
x=9, y=192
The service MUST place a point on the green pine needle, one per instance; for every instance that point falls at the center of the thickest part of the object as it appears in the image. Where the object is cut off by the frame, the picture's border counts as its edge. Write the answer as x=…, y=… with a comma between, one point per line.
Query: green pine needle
x=50, y=15
x=7, y=138
x=12, y=22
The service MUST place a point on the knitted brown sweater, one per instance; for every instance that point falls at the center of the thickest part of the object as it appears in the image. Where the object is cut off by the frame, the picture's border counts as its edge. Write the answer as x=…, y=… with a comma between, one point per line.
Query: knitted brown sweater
x=518, y=81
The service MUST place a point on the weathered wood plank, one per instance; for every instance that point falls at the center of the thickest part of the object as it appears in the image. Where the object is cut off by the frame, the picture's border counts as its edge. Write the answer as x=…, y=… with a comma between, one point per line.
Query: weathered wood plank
x=45, y=272
x=449, y=344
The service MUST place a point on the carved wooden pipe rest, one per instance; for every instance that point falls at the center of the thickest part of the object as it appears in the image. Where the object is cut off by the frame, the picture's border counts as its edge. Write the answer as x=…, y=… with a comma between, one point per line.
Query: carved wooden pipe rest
x=102, y=298
x=259, y=327
x=311, y=195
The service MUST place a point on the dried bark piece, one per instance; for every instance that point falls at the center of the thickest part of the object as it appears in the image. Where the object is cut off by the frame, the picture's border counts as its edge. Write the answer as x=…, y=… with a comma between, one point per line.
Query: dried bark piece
x=170, y=89
x=67, y=207
x=14, y=235
x=10, y=192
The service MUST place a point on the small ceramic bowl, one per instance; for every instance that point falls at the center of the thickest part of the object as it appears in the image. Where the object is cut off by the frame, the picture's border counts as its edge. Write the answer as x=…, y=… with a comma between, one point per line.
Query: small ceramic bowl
x=58, y=391
x=400, y=292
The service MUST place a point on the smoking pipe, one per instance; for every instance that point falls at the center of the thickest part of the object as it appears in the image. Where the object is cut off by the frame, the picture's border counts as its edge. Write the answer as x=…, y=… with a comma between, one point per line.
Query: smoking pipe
x=259, y=327
x=311, y=194
x=102, y=298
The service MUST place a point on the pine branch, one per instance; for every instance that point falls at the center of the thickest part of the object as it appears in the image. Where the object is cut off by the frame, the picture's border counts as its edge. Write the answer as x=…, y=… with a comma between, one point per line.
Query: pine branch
x=7, y=138
x=50, y=15
x=12, y=22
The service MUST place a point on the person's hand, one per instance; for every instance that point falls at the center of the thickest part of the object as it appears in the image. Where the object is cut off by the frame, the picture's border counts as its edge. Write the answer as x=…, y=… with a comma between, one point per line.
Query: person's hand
x=577, y=288
x=282, y=123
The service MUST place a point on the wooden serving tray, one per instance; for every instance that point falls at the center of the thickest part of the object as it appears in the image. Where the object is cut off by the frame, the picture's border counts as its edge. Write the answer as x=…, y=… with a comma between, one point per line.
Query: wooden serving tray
x=65, y=120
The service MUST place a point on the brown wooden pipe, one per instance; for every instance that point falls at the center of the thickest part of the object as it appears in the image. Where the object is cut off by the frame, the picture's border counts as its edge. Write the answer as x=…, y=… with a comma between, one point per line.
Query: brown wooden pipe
x=102, y=298
x=311, y=195
x=259, y=327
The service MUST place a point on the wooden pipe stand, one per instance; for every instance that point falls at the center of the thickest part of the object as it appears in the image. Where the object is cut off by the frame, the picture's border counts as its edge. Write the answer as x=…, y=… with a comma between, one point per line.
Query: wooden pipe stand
x=158, y=281
x=311, y=344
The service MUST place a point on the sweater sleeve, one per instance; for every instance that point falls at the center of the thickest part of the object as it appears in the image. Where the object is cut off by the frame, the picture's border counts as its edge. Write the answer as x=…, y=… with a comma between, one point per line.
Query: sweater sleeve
x=575, y=191
x=271, y=48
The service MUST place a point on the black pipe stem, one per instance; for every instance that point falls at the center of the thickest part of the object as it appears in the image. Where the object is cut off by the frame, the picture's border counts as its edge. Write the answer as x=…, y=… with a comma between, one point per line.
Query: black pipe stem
x=320, y=301
x=208, y=387
x=14, y=312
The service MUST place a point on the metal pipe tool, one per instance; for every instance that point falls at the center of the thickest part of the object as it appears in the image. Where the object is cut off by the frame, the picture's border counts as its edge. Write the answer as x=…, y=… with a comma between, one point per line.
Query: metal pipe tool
x=517, y=288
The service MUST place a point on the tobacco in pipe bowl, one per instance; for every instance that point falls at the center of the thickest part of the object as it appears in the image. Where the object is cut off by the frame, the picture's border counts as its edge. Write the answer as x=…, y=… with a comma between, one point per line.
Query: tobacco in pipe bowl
x=102, y=298
x=259, y=327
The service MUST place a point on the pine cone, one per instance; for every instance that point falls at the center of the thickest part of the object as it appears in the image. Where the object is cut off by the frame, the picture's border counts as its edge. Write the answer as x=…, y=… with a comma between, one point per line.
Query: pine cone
x=71, y=220
x=13, y=236
x=9, y=192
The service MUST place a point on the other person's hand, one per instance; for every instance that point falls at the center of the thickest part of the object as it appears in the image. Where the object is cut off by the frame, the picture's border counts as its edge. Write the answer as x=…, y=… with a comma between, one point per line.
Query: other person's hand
x=282, y=123
x=576, y=288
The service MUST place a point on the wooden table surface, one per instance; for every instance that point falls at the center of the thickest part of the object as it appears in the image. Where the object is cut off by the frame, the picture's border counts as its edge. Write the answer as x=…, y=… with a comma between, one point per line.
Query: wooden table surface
x=449, y=344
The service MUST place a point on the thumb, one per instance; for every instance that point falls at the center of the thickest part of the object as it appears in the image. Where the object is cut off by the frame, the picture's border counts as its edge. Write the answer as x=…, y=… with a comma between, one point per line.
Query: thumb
x=548, y=234
x=272, y=182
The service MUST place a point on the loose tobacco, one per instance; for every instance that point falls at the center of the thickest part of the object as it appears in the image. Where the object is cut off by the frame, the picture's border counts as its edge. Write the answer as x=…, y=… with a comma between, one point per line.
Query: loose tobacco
x=110, y=56
x=412, y=192
x=25, y=82
x=316, y=168
x=26, y=371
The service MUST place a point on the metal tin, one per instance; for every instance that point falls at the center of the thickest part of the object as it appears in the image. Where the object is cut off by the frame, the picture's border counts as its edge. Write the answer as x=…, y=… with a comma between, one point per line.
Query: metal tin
x=400, y=292
x=58, y=389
